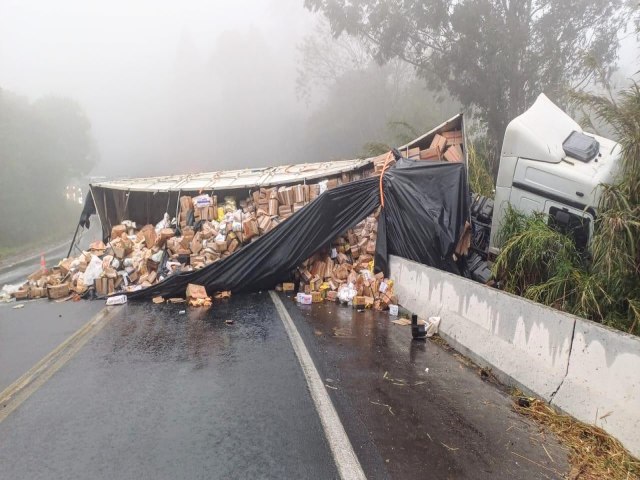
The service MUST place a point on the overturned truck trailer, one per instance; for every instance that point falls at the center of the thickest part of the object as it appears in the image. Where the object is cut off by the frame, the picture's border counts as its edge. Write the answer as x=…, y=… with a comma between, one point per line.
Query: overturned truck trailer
x=418, y=193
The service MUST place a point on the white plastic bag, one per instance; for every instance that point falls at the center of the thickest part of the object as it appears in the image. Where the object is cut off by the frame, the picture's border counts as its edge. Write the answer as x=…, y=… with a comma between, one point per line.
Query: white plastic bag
x=164, y=223
x=346, y=293
x=157, y=257
x=7, y=290
x=432, y=326
x=93, y=271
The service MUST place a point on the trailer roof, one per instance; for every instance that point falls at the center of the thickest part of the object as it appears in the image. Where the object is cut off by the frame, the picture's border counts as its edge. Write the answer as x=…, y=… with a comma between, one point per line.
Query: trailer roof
x=231, y=179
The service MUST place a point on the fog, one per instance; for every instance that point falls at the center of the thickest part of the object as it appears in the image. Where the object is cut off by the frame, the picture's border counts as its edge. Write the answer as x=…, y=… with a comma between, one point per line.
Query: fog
x=190, y=86
x=168, y=86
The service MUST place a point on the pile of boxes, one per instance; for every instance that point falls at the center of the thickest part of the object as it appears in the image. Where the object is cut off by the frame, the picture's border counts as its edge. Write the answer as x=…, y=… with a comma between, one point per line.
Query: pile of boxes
x=445, y=146
x=43, y=284
x=139, y=257
x=343, y=272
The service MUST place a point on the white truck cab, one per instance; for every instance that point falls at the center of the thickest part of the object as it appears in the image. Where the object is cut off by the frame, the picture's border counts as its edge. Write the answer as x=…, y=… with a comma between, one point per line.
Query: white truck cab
x=549, y=164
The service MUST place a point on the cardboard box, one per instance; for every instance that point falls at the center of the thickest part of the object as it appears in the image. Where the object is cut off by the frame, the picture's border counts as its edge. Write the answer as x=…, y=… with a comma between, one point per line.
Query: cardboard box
x=315, y=282
x=118, y=230
x=316, y=297
x=304, y=299
x=264, y=223
x=148, y=233
x=298, y=194
x=58, y=291
x=21, y=294
x=220, y=246
x=358, y=301
x=454, y=154
x=273, y=207
x=314, y=191
x=196, y=245
x=37, y=292
x=102, y=286
x=284, y=210
x=197, y=261
x=250, y=228
x=454, y=137
x=118, y=250
x=186, y=203
x=233, y=245
x=196, y=292
x=413, y=153
x=288, y=287
x=430, y=154
x=439, y=142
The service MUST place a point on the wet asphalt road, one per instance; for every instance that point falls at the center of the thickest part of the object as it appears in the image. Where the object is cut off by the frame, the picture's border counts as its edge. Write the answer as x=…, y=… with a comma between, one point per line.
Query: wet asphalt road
x=446, y=422
x=30, y=333
x=18, y=271
x=159, y=394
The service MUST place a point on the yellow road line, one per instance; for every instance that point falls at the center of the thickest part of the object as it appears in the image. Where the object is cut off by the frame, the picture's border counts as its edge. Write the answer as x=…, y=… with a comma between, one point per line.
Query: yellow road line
x=16, y=393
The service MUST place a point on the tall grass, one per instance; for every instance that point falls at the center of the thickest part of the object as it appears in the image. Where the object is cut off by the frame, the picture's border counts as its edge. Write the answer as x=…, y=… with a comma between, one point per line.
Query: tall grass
x=480, y=178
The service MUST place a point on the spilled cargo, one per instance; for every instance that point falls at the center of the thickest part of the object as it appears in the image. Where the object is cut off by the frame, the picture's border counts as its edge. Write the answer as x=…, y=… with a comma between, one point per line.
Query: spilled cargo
x=319, y=228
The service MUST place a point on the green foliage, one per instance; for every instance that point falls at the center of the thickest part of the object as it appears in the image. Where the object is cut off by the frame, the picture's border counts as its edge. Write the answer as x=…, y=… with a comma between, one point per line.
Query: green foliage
x=536, y=261
x=480, y=180
x=490, y=55
x=543, y=265
x=43, y=145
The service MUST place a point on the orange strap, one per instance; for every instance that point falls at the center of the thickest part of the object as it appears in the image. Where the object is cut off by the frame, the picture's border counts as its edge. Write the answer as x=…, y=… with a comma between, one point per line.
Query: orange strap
x=384, y=167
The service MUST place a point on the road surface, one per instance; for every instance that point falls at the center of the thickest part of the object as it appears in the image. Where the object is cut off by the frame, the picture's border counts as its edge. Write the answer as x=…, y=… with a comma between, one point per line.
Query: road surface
x=157, y=393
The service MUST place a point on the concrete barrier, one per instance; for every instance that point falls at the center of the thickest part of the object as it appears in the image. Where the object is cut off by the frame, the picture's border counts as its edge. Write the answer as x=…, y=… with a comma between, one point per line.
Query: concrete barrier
x=602, y=386
x=525, y=344
x=587, y=370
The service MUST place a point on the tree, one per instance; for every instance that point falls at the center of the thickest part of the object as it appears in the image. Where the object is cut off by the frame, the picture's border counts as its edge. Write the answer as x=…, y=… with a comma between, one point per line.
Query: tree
x=494, y=56
x=360, y=108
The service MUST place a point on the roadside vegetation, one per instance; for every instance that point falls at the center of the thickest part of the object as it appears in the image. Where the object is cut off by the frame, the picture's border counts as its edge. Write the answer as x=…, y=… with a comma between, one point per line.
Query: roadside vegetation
x=593, y=453
x=603, y=284
x=480, y=178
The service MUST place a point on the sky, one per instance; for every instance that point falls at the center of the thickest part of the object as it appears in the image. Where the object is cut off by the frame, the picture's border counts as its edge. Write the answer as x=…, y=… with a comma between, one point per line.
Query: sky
x=136, y=67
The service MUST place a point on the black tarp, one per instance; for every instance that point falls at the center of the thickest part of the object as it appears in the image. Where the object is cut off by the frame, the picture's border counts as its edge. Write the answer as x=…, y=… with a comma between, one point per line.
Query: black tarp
x=425, y=208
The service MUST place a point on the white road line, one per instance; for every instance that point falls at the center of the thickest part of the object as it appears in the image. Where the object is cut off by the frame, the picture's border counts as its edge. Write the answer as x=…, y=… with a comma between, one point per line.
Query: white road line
x=345, y=458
